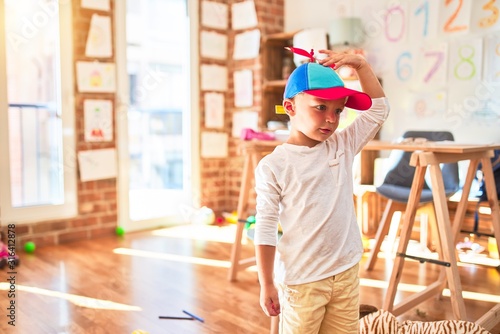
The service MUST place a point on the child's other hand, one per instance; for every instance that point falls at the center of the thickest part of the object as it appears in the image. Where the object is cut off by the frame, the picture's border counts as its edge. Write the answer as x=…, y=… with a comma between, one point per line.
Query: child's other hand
x=269, y=300
x=337, y=60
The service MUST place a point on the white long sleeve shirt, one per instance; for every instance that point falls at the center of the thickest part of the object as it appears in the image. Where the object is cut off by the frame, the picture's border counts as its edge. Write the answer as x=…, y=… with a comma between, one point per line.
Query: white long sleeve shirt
x=309, y=191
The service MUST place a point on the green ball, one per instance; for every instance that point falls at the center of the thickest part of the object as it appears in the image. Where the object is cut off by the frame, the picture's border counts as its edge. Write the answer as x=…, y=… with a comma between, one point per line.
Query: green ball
x=29, y=247
x=119, y=231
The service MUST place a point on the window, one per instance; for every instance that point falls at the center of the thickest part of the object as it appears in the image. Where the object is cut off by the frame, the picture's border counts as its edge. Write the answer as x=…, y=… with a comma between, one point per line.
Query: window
x=36, y=113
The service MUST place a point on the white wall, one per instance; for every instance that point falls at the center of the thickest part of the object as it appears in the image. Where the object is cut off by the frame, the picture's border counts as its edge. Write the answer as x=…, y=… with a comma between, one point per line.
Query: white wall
x=469, y=108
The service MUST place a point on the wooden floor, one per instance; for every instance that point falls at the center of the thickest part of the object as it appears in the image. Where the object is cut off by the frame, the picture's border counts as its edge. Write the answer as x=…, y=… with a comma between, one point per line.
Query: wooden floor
x=118, y=285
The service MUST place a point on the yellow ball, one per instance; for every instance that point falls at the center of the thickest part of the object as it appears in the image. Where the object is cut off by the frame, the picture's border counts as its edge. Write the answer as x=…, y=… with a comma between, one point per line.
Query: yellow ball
x=139, y=331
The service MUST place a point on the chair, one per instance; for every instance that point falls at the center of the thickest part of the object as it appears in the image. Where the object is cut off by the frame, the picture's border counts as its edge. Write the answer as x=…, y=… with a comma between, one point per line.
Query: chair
x=397, y=184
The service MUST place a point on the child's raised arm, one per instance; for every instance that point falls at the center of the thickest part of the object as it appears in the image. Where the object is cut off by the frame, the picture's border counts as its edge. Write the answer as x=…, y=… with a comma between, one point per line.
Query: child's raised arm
x=367, y=78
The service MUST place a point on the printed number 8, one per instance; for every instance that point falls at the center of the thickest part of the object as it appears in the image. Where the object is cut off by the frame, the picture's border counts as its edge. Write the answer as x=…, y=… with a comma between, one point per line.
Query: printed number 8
x=464, y=62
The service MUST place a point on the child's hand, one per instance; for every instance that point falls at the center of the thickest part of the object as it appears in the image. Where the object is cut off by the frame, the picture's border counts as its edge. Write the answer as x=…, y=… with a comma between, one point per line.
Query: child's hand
x=269, y=300
x=337, y=60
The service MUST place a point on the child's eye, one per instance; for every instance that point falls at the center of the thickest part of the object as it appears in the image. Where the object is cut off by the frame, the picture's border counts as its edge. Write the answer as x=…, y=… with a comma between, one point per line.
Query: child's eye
x=339, y=111
x=321, y=107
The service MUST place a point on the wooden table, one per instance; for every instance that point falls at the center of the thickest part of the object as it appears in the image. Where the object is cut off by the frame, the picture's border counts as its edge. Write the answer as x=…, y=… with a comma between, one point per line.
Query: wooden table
x=431, y=154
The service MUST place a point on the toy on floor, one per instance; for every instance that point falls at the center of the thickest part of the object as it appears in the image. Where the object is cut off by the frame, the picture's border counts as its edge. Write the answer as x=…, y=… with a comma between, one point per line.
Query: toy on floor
x=5, y=258
x=29, y=247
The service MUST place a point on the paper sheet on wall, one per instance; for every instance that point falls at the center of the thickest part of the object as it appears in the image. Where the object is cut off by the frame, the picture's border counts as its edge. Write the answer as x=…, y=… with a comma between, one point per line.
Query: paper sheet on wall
x=214, y=110
x=244, y=119
x=244, y=15
x=95, y=77
x=96, y=4
x=423, y=19
x=98, y=118
x=433, y=64
x=247, y=45
x=97, y=164
x=466, y=61
x=99, y=37
x=491, y=71
x=214, y=15
x=214, y=77
x=213, y=45
x=455, y=17
x=428, y=104
x=214, y=144
x=243, y=88
x=484, y=16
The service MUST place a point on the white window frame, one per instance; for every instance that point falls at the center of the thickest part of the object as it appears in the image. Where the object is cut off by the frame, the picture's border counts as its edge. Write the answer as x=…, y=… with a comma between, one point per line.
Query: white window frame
x=8, y=213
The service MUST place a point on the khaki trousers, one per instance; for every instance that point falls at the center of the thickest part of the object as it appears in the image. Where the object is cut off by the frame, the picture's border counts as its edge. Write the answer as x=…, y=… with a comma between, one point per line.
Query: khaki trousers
x=329, y=306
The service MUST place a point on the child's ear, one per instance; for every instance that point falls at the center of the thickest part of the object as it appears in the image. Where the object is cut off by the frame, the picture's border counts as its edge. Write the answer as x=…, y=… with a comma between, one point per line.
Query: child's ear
x=289, y=107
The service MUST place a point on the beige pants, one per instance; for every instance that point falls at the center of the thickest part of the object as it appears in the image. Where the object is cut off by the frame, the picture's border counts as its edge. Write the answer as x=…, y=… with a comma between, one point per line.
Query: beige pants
x=329, y=306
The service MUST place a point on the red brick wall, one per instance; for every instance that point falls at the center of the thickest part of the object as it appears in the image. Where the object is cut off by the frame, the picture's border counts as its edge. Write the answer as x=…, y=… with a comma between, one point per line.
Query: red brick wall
x=220, y=178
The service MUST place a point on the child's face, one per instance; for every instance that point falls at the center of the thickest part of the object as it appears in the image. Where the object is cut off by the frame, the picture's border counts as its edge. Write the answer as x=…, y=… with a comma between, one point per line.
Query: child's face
x=313, y=119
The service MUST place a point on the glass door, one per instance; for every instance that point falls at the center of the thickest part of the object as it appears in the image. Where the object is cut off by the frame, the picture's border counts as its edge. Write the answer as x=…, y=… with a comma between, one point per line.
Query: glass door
x=155, y=104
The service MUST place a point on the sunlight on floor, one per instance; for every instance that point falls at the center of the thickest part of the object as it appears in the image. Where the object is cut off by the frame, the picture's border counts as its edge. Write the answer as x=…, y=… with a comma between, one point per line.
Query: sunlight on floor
x=176, y=258
x=75, y=299
x=223, y=234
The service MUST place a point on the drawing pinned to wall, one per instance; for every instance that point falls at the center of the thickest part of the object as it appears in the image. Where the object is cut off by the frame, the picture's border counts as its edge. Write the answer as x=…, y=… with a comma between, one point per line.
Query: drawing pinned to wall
x=466, y=60
x=485, y=16
x=214, y=110
x=491, y=67
x=96, y=4
x=214, y=77
x=244, y=15
x=247, y=45
x=98, y=120
x=213, y=45
x=396, y=22
x=404, y=66
x=427, y=104
x=214, y=15
x=214, y=144
x=95, y=77
x=243, y=88
x=423, y=17
x=99, y=38
x=455, y=16
x=433, y=64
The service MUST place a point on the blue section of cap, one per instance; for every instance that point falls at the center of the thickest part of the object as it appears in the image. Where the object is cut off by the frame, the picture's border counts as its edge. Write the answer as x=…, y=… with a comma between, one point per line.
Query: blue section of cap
x=323, y=77
x=297, y=82
x=311, y=76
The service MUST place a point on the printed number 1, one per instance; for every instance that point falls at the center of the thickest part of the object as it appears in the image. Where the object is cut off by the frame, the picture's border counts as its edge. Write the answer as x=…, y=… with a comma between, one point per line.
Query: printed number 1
x=424, y=8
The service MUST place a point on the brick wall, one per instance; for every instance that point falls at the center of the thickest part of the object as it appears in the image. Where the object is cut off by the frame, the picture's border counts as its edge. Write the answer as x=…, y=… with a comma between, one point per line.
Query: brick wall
x=220, y=178
x=97, y=200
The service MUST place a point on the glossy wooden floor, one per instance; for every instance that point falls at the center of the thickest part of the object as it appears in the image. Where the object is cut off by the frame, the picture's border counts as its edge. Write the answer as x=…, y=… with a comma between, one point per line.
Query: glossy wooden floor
x=118, y=285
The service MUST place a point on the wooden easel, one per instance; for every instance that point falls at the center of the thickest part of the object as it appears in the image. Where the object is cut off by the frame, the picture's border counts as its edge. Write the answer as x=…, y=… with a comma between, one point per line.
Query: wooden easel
x=448, y=233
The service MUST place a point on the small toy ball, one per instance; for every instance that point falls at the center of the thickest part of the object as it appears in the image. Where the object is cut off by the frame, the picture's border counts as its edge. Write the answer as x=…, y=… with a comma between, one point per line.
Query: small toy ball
x=29, y=247
x=119, y=231
x=219, y=221
x=140, y=331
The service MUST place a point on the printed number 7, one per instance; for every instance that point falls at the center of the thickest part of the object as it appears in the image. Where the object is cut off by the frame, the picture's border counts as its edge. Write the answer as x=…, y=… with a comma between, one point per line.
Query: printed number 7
x=439, y=60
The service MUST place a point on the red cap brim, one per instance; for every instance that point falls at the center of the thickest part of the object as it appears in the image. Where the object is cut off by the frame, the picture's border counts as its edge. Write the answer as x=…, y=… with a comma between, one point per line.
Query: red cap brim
x=356, y=100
